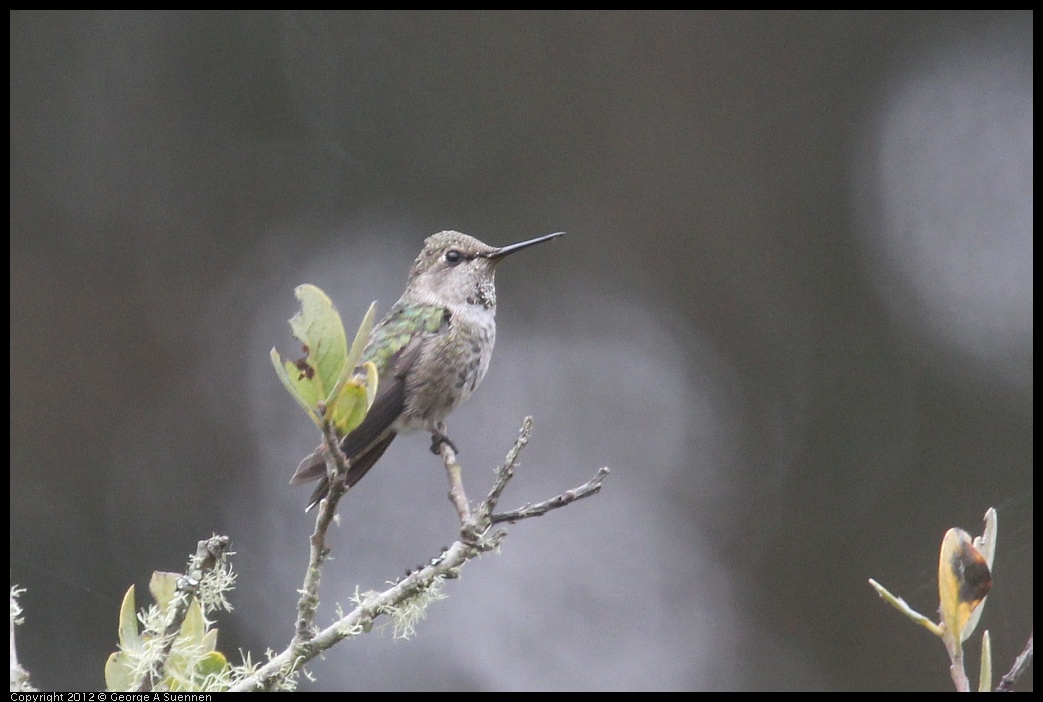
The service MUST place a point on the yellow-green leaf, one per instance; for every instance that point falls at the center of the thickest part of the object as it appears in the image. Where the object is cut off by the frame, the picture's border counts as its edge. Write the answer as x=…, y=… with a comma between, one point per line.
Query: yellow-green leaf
x=372, y=379
x=357, y=347
x=985, y=673
x=128, y=627
x=349, y=409
x=163, y=586
x=209, y=642
x=119, y=674
x=362, y=336
x=288, y=373
x=325, y=382
x=213, y=663
x=193, y=628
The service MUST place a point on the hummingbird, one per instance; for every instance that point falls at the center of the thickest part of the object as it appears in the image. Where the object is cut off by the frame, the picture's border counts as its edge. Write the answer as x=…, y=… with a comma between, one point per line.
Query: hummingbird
x=431, y=351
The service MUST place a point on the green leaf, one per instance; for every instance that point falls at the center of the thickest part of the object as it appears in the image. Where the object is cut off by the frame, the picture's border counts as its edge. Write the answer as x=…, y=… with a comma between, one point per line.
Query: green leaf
x=194, y=627
x=985, y=673
x=193, y=656
x=287, y=373
x=119, y=673
x=319, y=328
x=163, y=587
x=209, y=643
x=128, y=628
x=324, y=382
x=372, y=378
x=214, y=663
x=362, y=336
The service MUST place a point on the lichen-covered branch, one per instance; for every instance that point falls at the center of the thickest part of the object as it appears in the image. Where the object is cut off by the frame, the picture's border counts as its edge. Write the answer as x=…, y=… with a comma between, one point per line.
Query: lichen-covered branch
x=208, y=554
x=397, y=602
x=19, y=675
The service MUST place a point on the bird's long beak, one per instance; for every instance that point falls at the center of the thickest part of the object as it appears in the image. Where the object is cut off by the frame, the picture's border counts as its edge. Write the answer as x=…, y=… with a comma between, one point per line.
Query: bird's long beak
x=506, y=250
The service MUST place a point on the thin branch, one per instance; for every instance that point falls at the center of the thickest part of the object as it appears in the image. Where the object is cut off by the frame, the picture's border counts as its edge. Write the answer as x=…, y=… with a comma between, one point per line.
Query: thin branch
x=208, y=554
x=957, y=671
x=903, y=607
x=591, y=487
x=1021, y=664
x=505, y=472
x=456, y=483
x=337, y=468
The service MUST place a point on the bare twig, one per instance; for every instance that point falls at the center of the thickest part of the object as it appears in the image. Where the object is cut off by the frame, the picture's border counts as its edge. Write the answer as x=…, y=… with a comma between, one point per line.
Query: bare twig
x=208, y=554
x=1021, y=664
x=903, y=607
x=456, y=484
x=505, y=472
x=591, y=487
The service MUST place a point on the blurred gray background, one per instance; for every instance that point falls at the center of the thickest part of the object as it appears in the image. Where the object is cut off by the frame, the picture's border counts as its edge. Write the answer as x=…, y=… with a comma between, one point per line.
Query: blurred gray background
x=793, y=313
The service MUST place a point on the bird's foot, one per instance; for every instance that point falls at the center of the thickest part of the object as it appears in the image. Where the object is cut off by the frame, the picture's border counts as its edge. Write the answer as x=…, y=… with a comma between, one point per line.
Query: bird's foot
x=439, y=437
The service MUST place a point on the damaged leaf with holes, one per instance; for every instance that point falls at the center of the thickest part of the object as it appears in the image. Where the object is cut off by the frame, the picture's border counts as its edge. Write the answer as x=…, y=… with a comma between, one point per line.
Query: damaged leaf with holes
x=328, y=381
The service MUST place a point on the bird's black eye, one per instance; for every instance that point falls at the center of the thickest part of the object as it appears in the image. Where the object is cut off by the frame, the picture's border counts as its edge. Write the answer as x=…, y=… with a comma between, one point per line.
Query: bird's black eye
x=453, y=257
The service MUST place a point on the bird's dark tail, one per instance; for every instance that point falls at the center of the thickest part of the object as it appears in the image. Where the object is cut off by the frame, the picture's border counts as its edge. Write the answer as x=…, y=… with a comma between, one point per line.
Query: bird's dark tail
x=314, y=466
